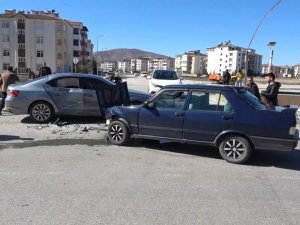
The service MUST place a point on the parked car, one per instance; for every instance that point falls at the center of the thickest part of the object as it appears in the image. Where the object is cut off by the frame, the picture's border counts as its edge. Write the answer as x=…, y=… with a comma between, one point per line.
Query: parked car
x=227, y=117
x=68, y=94
x=161, y=78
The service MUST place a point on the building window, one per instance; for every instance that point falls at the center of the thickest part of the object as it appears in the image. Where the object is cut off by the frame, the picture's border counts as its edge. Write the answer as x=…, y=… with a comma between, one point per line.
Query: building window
x=230, y=65
x=5, y=24
x=21, y=21
x=21, y=31
x=39, y=54
x=76, y=53
x=5, y=52
x=76, y=42
x=75, y=30
x=5, y=38
x=5, y=66
x=39, y=40
x=220, y=59
x=231, y=54
x=21, y=59
x=21, y=46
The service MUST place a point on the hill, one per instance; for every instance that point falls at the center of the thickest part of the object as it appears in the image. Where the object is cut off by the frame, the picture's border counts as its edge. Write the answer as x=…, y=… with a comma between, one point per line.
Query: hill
x=125, y=53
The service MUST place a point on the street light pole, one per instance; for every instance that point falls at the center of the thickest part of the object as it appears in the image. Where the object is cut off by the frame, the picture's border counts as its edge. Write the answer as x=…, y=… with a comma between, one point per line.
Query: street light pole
x=271, y=44
x=257, y=28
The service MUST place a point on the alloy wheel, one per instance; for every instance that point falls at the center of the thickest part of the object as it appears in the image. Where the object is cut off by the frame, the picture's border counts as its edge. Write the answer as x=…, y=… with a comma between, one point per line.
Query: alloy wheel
x=117, y=133
x=234, y=149
x=41, y=112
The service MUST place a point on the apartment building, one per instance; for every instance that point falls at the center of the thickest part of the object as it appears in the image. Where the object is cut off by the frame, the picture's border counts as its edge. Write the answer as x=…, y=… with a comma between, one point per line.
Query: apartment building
x=108, y=65
x=192, y=62
x=161, y=63
x=30, y=38
x=227, y=56
x=297, y=69
x=139, y=64
x=124, y=66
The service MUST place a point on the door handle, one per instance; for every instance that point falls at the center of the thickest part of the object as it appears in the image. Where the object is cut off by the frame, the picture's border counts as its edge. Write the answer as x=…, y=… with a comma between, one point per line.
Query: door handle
x=227, y=117
x=179, y=114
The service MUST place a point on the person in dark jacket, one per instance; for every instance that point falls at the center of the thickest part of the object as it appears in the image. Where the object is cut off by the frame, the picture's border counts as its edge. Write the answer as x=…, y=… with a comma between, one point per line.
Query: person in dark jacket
x=226, y=78
x=44, y=70
x=252, y=87
x=271, y=93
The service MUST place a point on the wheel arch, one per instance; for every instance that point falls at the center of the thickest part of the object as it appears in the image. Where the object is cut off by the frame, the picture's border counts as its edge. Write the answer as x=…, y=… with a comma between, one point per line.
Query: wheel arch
x=115, y=117
x=221, y=136
x=42, y=100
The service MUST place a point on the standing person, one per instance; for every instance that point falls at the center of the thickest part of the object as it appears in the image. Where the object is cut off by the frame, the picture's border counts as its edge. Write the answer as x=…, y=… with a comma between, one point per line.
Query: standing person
x=44, y=70
x=226, y=78
x=239, y=78
x=6, y=79
x=272, y=90
x=252, y=87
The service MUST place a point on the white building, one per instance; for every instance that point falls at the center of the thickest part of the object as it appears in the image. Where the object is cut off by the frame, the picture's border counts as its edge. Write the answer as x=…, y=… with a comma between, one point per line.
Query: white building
x=29, y=39
x=227, y=56
x=297, y=69
x=192, y=62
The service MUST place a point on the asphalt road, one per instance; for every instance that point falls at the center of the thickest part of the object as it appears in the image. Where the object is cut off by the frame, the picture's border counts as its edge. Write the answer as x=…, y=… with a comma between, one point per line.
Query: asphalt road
x=69, y=175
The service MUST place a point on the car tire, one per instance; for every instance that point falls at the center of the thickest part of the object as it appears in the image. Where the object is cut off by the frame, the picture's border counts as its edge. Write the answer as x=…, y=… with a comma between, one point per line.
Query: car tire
x=41, y=112
x=118, y=133
x=235, y=149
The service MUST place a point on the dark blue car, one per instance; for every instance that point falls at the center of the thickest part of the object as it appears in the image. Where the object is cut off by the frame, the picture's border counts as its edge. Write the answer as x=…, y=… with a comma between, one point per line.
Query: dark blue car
x=230, y=118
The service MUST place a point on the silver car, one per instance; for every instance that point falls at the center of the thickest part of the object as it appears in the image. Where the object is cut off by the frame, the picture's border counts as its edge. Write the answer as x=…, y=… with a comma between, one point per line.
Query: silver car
x=68, y=94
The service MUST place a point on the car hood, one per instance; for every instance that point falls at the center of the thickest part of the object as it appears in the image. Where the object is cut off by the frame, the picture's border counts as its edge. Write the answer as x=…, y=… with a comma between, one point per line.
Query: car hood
x=138, y=92
x=165, y=82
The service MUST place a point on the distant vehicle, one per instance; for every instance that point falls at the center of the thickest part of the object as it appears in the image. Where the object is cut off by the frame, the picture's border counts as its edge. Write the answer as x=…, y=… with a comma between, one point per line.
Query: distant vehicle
x=161, y=78
x=144, y=74
x=69, y=94
x=227, y=117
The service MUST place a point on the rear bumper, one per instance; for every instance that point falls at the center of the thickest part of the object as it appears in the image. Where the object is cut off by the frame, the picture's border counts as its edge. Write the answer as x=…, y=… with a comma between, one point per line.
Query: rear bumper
x=276, y=144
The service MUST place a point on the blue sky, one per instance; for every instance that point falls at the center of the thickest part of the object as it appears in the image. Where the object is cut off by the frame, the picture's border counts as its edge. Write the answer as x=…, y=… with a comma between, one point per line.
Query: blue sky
x=171, y=27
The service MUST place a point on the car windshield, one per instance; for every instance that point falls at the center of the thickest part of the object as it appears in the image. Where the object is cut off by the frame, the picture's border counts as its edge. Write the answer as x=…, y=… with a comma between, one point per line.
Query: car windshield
x=251, y=99
x=165, y=75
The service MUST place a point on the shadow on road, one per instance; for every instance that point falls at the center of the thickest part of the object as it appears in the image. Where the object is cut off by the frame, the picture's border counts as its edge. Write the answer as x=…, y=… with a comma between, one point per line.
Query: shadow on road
x=285, y=160
x=13, y=137
x=68, y=120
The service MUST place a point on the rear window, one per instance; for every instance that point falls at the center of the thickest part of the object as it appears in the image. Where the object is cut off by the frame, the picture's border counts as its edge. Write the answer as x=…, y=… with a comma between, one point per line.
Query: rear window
x=251, y=99
x=165, y=75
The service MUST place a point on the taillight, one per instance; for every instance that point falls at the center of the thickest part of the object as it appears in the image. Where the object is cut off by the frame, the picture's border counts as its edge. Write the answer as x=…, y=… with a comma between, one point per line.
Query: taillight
x=13, y=93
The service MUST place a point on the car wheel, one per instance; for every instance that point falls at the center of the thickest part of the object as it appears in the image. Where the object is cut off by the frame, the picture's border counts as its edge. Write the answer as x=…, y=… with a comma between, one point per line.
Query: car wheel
x=41, y=112
x=118, y=133
x=235, y=149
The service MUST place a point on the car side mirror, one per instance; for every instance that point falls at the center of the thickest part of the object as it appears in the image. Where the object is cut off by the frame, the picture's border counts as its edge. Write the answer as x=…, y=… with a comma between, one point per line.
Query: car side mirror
x=149, y=105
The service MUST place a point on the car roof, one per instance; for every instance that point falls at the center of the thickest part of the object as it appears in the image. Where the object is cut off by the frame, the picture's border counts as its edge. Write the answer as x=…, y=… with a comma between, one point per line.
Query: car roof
x=203, y=86
x=58, y=75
